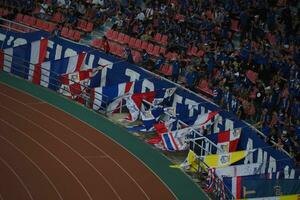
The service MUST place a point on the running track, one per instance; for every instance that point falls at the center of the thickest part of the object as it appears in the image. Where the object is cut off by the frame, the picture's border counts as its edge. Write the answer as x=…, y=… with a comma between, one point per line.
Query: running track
x=47, y=154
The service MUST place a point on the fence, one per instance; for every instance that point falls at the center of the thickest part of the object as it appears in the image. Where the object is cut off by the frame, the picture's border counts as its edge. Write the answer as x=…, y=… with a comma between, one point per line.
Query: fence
x=22, y=69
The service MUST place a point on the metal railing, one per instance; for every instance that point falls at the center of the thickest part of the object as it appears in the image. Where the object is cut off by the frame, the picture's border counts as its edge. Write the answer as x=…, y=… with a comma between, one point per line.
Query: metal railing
x=23, y=68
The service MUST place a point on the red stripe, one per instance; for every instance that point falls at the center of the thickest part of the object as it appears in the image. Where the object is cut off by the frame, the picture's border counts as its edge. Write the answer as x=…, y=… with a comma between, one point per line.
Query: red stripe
x=238, y=187
x=224, y=136
x=173, y=140
x=233, y=145
x=80, y=60
x=128, y=86
x=36, y=78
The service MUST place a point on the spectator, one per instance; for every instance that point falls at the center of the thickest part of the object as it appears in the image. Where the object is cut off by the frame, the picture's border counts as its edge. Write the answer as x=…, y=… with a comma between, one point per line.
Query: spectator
x=175, y=70
x=128, y=54
x=105, y=44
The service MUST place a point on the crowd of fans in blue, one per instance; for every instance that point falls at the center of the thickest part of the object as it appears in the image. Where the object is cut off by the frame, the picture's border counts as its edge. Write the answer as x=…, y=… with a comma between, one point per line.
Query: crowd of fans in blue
x=266, y=42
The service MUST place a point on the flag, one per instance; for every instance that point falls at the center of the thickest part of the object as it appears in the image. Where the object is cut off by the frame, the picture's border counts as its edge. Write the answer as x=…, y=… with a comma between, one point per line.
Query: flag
x=239, y=170
x=37, y=56
x=78, y=80
x=24, y=60
x=149, y=118
x=110, y=97
x=52, y=70
x=190, y=163
x=203, y=119
x=134, y=104
x=163, y=95
x=174, y=140
x=228, y=140
x=223, y=160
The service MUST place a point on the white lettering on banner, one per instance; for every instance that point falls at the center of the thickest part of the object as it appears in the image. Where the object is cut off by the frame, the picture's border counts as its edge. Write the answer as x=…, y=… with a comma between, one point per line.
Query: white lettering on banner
x=134, y=76
x=192, y=105
x=70, y=52
x=177, y=99
x=249, y=157
x=19, y=41
x=58, y=52
x=2, y=37
x=272, y=165
x=262, y=157
x=50, y=46
x=108, y=64
x=89, y=60
x=10, y=40
x=289, y=175
x=147, y=85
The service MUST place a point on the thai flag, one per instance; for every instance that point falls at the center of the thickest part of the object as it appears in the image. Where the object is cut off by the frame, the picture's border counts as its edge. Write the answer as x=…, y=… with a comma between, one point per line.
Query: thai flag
x=149, y=118
x=52, y=70
x=110, y=97
x=174, y=140
x=25, y=60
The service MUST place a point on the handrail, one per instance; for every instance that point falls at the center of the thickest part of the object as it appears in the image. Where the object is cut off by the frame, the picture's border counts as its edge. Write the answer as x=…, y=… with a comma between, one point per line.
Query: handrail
x=21, y=63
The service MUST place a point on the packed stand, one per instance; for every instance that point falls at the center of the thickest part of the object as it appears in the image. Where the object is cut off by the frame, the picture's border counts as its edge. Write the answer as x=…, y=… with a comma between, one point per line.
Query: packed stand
x=68, y=18
x=243, y=54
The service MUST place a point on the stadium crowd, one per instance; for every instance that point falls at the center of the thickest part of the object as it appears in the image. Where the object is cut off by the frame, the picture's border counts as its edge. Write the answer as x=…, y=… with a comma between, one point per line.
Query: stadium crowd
x=248, y=51
x=252, y=67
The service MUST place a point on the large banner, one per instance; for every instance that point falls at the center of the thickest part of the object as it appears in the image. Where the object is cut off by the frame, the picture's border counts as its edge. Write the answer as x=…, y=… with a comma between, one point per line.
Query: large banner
x=117, y=71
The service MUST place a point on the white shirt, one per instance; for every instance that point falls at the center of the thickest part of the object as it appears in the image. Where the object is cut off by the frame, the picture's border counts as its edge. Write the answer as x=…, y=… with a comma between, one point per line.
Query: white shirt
x=140, y=16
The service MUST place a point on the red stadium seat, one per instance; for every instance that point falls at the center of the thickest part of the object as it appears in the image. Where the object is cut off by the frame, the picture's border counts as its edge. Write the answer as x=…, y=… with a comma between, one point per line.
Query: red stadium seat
x=162, y=50
x=19, y=17
x=39, y=23
x=70, y=34
x=89, y=27
x=120, y=37
x=125, y=39
x=109, y=34
x=150, y=48
x=97, y=43
x=155, y=51
x=64, y=32
x=167, y=70
x=51, y=27
x=45, y=25
x=132, y=41
x=120, y=51
x=164, y=40
x=144, y=45
x=157, y=37
x=115, y=36
x=77, y=36
x=203, y=87
x=57, y=17
x=138, y=44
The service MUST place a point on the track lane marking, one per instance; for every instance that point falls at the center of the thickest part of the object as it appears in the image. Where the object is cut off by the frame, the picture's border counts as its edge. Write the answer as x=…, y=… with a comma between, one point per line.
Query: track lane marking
x=18, y=177
x=91, y=143
x=49, y=152
x=73, y=150
x=36, y=165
